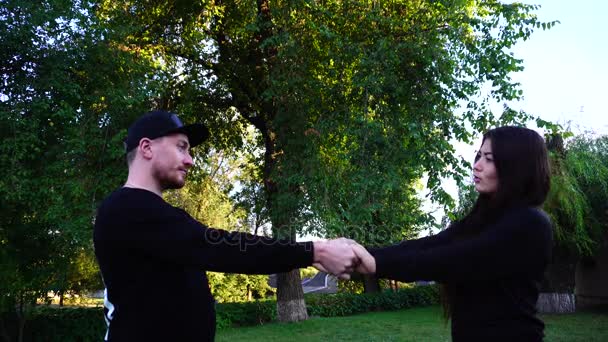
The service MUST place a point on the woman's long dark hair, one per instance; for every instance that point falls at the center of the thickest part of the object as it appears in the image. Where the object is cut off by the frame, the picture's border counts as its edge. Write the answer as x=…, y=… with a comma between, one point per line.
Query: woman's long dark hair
x=522, y=167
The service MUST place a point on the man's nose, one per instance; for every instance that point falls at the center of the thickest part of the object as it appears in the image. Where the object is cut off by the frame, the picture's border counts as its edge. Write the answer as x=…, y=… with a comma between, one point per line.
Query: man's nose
x=188, y=160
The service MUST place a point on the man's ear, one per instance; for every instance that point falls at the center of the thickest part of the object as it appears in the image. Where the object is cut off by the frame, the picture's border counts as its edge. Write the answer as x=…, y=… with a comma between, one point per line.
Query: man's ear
x=145, y=148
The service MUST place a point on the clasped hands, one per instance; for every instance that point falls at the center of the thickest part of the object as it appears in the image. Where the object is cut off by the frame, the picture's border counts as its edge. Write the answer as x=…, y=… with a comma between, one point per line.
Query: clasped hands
x=341, y=257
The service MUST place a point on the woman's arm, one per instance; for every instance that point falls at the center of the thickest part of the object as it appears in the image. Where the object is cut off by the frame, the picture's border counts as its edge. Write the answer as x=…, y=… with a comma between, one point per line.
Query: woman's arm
x=519, y=244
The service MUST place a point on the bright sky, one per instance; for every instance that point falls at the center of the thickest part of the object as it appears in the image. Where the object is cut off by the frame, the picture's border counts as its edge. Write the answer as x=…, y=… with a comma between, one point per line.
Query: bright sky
x=566, y=67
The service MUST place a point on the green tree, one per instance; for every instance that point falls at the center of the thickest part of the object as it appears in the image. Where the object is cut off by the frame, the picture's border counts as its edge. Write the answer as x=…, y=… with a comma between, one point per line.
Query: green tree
x=578, y=202
x=354, y=101
x=65, y=97
x=578, y=207
x=467, y=195
x=228, y=287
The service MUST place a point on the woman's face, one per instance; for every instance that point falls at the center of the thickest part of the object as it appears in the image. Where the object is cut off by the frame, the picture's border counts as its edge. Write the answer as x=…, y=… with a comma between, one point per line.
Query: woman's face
x=484, y=170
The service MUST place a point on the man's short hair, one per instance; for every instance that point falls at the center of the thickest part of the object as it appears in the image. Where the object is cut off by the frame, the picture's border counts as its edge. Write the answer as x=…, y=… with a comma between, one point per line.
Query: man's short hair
x=131, y=156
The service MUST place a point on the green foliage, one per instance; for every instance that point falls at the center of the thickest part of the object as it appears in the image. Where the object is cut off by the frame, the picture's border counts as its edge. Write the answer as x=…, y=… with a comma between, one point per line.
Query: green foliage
x=350, y=286
x=354, y=101
x=81, y=275
x=344, y=304
x=578, y=200
x=70, y=324
x=329, y=305
x=245, y=314
x=308, y=272
x=379, y=111
x=66, y=96
x=228, y=287
x=467, y=195
x=87, y=324
x=206, y=193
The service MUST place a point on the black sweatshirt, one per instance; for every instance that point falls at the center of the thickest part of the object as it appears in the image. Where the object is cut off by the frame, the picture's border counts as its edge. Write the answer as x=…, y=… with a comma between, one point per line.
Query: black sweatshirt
x=153, y=259
x=493, y=277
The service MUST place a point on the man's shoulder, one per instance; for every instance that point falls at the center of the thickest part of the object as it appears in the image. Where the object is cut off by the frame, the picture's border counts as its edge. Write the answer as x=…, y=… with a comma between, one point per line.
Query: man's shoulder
x=128, y=208
x=126, y=197
x=124, y=202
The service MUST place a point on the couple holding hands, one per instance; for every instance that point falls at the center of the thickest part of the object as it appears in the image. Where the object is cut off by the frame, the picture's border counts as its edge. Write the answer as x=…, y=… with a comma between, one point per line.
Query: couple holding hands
x=153, y=256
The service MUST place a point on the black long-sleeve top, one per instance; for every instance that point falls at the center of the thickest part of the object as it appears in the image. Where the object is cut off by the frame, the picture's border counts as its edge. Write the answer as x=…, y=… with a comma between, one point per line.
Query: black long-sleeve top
x=153, y=259
x=492, y=277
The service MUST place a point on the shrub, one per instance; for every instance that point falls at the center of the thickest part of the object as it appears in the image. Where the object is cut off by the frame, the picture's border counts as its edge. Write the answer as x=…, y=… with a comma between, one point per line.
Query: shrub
x=343, y=304
x=87, y=324
x=245, y=313
x=65, y=324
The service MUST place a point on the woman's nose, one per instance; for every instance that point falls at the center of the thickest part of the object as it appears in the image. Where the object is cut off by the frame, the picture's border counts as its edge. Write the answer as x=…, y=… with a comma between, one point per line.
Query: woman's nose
x=477, y=165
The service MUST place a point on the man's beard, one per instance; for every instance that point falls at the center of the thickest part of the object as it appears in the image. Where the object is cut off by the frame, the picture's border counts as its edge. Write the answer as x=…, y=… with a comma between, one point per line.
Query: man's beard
x=167, y=182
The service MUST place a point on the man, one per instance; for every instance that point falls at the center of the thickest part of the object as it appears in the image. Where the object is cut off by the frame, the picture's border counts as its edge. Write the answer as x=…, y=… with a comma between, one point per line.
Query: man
x=153, y=256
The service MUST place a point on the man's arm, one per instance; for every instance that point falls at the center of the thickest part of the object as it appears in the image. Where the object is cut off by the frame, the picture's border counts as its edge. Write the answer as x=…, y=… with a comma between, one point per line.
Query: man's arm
x=175, y=236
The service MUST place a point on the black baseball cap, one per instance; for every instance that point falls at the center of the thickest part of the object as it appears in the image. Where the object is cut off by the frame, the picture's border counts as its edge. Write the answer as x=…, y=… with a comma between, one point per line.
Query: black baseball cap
x=159, y=123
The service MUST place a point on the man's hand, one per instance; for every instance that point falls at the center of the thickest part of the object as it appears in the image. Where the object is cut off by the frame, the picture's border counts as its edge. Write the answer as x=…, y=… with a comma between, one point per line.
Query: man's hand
x=336, y=257
x=367, y=263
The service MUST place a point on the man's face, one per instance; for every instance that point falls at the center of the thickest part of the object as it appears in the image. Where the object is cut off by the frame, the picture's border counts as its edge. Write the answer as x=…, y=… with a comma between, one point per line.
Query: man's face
x=171, y=160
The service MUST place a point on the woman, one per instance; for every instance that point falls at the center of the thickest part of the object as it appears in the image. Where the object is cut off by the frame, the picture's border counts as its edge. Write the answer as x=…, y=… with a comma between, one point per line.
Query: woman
x=492, y=261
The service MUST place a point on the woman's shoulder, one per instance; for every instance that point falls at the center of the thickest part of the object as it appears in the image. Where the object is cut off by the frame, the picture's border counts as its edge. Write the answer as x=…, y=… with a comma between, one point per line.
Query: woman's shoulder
x=528, y=215
x=533, y=212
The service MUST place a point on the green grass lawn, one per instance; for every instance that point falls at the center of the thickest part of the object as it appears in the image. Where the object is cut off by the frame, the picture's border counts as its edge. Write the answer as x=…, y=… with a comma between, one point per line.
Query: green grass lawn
x=420, y=324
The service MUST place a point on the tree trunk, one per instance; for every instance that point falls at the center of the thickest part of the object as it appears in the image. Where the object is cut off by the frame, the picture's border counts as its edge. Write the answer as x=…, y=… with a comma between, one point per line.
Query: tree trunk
x=371, y=284
x=21, y=328
x=21, y=319
x=61, y=298
x=261, y=112
x=290, y=297
x=4, y=331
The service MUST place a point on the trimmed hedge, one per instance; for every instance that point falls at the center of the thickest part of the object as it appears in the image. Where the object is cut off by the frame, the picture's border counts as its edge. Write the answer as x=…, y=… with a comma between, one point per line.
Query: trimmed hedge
x=327, y=305
x=65, y=324
x=245, y=313
x=87, y=324
x=344, y=304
